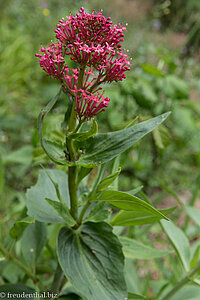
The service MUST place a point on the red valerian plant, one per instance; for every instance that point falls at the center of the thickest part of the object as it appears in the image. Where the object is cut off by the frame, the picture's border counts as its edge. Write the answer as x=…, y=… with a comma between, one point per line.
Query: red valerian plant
x=90, y=255
x=93, y=42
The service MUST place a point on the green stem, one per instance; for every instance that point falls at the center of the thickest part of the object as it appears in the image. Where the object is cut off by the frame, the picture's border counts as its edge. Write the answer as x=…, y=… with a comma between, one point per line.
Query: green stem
x=83, y=212
x=180, y=284
x=73, y=191
x=72, y=153
x=78, y=127
x=9, y=256
x=91, y=194
x=57, y=281
x=81, y=76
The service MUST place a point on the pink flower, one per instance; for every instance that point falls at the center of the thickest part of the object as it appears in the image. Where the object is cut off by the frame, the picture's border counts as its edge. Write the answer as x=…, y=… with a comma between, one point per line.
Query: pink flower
x=88, y=105
x=70, y=79
x=52, y=60
x=89, y=39
x=114, y=69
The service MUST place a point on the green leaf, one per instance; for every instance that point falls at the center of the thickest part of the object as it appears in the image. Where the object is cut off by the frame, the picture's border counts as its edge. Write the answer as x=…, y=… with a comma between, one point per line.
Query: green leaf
x=82, y=136
x=33, y=240
x=187, y=293
x=128, y=218
x=82, y=174
x=19, y=227
x=100, y=148
x=92, y=260
x=131, y=123
x=133, y=296
x=195, y=258
x=40, y=209
x=63, y=211
x=99, y=212
x=136, y=250
x=11, y=290
x=104, y=147
x=144, y=93
x=136, y=190
x=161, y=137
x=128, y=202
x=69, y=293
x=106, y=182
x=53, y=150
x=194, y=214
x=133, y=281
x=157, y=138
x=10, y=272
x=179, y=242
x=152, y=70
x=68, y=112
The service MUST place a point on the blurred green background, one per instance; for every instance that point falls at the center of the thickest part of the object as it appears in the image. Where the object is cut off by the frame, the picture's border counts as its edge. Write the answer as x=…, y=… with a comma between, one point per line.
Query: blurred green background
x=163, y=38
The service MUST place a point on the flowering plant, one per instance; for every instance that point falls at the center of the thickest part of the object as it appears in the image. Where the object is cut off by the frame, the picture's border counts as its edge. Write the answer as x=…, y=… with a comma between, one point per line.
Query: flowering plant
x=93, y=42
x=90, y=255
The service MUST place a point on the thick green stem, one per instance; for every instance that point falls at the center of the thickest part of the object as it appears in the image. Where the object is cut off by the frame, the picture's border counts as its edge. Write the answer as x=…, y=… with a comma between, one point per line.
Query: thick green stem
x=10, y=257
x=73, y=191
x=180, y=284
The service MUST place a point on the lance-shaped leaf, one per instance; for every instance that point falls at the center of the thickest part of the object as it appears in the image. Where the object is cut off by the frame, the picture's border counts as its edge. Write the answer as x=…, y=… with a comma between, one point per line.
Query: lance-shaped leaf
x=82, y=174
x=136, y=250
x=92, y=260
x=194, y=214
x=106, y=182
x=99, y=148
x=56, y=153
x=128, y=218
x=179, y=241
x=37, y=206
x=135, y=191
x=128, y=202
x=104, y=147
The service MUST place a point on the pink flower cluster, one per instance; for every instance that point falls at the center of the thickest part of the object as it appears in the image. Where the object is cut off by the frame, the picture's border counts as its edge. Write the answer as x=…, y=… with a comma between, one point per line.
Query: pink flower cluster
x=88, y=104
x=93, y=42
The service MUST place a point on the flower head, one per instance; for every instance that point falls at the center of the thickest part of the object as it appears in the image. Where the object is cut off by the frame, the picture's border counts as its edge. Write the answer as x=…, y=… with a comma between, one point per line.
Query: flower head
x=52, y=59
x=88, y=104
x=94, y=43
x=90, y=39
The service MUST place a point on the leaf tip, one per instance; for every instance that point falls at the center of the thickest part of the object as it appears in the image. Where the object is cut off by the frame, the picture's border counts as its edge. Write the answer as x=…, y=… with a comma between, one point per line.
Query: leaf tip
x=165, y=115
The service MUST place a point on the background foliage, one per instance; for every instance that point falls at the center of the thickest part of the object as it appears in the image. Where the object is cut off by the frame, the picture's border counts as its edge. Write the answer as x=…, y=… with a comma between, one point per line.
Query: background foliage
x=163, y=39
